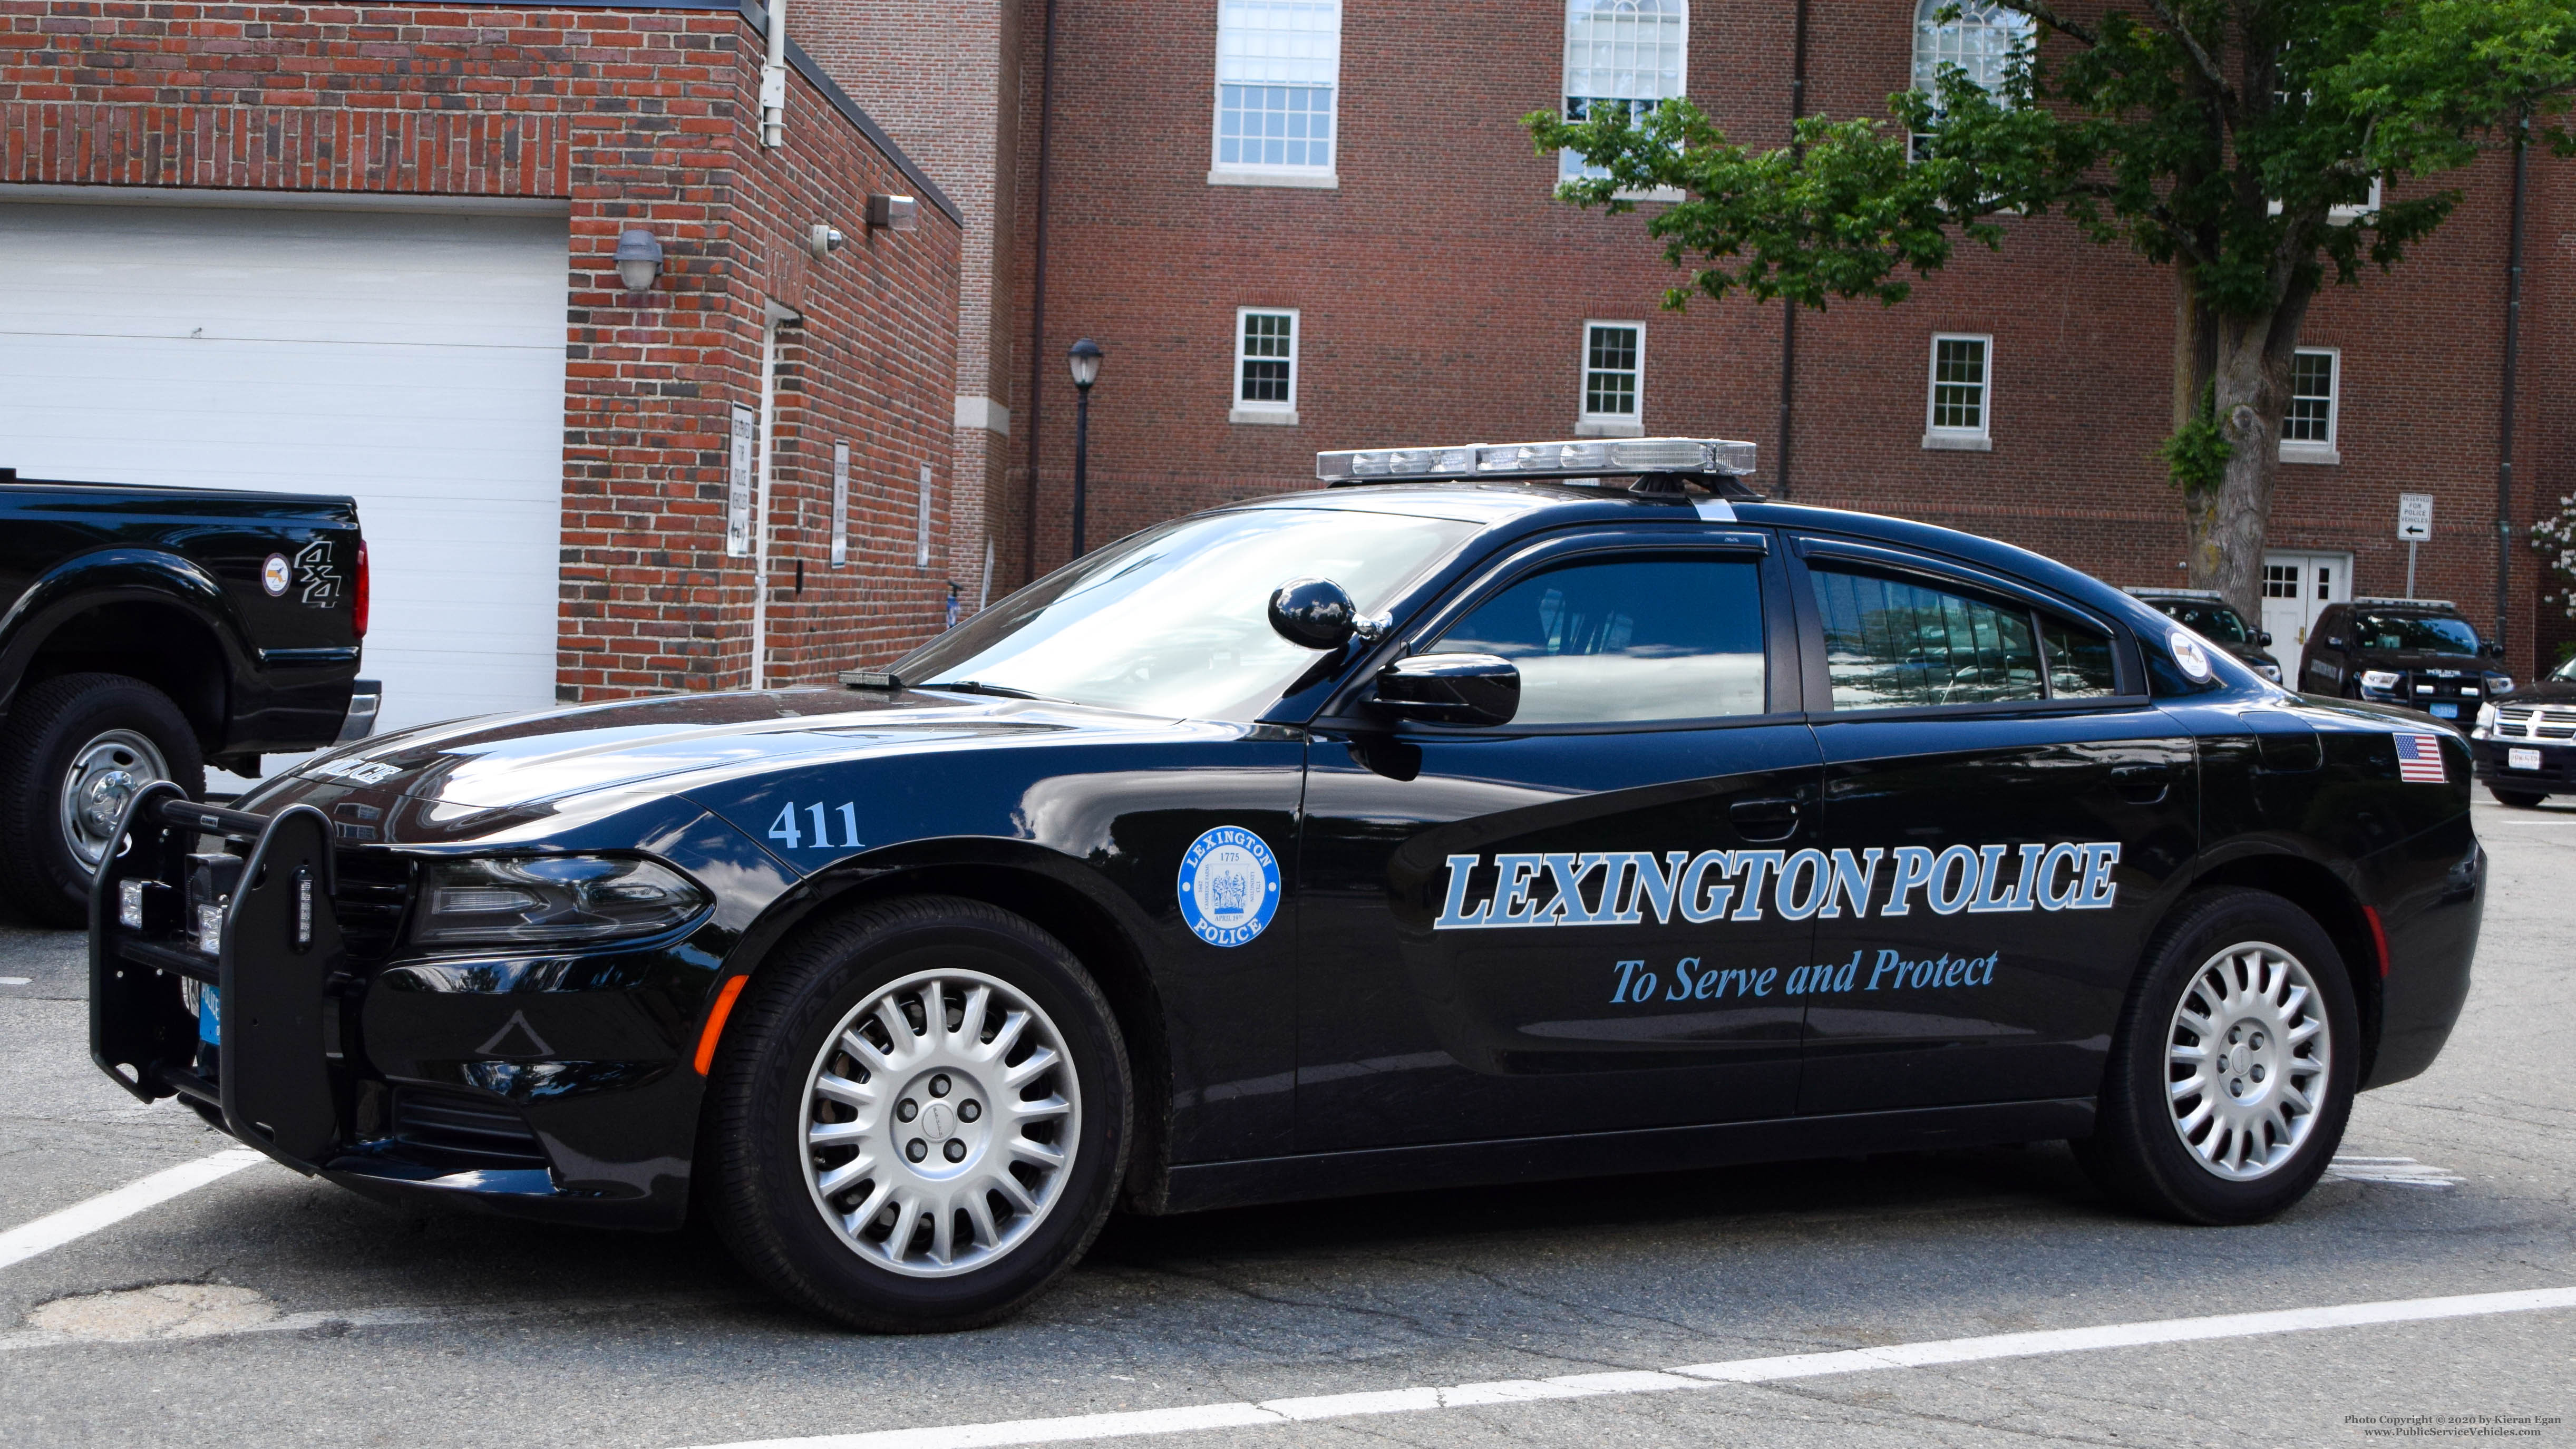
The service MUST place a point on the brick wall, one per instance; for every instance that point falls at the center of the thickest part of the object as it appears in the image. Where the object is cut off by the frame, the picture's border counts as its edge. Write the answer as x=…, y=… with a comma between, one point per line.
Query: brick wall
x=1442, y=294
x=641, y=117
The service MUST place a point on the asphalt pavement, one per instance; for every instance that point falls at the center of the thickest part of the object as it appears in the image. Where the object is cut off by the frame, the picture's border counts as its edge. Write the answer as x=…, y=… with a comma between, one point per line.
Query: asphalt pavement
x=265, y=1308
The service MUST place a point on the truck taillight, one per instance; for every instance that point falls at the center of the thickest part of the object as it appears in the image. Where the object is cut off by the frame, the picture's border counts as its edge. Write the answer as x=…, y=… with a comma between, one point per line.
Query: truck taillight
x=358, y=595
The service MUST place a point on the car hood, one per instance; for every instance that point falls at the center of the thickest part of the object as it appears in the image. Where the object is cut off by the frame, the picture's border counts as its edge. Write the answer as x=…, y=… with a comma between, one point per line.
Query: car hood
x=2547, y=691
x=633, y=750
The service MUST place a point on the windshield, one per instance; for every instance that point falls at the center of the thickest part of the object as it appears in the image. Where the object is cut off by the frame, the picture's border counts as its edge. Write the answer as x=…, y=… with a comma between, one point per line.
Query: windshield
x=1175, y=620
x=2215, y=622
x=2416, y=634
x=2566, y=671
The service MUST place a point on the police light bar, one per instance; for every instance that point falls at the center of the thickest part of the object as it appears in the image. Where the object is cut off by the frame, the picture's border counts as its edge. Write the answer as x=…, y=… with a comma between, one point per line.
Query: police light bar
x=1582, y=458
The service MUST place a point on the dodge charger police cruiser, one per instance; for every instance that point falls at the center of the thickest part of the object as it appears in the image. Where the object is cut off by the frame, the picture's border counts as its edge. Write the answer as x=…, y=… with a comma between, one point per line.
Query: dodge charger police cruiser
x=1496, y=813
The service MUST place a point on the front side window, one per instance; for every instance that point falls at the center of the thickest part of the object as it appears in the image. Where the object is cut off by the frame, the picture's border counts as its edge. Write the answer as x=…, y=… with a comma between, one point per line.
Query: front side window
x=1265, y=361
x=1175, y=621
x=1632, y=53
x=1960, y=408
x=1614, y=372
x=2309, y=426
x=1278, y=65
x=1627, y=640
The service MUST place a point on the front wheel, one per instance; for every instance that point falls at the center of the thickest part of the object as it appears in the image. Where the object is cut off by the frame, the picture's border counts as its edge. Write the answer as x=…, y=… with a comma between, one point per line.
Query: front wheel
x=2234, y=1066
x=2518, y=799
x=919, y=1117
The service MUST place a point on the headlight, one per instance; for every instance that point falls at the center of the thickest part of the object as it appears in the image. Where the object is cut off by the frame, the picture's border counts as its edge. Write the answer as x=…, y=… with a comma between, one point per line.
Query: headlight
x=551, y=900
x=2486, y=721
x=2271, y=672
x=2499, y=684
x=2378, y=679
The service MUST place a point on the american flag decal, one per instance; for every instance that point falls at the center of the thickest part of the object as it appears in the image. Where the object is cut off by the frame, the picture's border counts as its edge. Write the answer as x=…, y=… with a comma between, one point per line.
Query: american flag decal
x=2419, y=759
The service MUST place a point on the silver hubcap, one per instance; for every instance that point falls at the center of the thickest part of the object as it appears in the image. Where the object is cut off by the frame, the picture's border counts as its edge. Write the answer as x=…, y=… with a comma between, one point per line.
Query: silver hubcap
x=940, y=1122
x=108, y=772
x=2247, y=1061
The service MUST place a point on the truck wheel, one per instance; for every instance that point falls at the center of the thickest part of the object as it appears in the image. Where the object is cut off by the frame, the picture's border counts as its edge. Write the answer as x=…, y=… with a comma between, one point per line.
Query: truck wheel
x=917, y=1118
x=2233, y=1069
x=78, y=747
x=2518, y=799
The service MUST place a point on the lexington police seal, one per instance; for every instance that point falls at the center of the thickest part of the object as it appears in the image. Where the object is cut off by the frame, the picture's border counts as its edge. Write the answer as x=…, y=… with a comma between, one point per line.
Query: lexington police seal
x=1229, y=886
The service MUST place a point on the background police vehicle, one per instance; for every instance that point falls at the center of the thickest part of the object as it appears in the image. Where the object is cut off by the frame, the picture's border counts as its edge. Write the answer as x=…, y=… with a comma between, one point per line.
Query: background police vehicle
x=2419, y=653
x=1499, y=813
x=2207, y=613
x=2525, y=745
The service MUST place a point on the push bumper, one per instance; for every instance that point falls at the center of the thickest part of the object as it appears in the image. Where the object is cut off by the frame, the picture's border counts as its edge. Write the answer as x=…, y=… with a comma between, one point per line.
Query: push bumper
x=287, y=1073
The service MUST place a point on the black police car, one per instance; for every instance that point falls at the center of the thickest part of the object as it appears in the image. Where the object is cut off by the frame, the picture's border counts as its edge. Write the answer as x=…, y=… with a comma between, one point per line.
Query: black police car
x=2414, y=652
x=2207, y=613
x=2525, y=744
x=1499, y=813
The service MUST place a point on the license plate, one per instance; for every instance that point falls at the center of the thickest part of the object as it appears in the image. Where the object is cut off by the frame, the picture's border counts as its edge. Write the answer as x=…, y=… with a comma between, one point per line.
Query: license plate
x=2522, y=759
x=2446, y=711
x=210, y=1016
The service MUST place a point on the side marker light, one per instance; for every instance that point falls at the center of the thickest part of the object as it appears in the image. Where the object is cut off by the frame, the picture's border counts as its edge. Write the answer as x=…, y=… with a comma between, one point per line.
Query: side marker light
x=716, y=1022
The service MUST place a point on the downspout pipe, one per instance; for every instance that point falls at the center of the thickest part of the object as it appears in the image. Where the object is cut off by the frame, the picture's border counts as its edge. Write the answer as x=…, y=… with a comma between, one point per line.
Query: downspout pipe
x=2512, y=357
x=1789, y=309
x=760, y=501
x=773, y=79
x=1037, y=302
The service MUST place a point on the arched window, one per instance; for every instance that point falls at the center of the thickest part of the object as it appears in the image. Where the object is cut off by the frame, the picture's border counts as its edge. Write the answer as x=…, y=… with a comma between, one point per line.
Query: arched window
x=1979, y=42
x=1634, y=53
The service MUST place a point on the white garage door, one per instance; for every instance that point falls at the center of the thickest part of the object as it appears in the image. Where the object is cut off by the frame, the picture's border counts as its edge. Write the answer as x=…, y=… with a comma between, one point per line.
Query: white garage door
x=413, y=361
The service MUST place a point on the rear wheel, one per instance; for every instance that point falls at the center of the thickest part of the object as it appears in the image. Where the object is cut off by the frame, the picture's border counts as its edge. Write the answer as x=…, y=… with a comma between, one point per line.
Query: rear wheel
x=77, y=748
x=919, y=1117
x=2518, y=799
x=2234, y=1066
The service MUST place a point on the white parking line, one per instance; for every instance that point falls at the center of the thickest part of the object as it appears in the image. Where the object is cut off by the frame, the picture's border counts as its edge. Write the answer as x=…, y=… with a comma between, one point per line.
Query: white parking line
x=107, y=1209
x=2394, y=1171
x=1080, y=1427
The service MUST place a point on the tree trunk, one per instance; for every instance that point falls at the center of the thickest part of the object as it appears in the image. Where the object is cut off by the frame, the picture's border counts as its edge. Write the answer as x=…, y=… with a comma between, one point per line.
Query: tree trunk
x=2248, y=377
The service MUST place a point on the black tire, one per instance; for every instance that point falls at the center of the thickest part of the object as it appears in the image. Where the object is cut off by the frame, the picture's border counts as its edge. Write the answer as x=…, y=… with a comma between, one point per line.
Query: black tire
x=53, y=725
x=753, y=1155
x=2136, y=1152
x=2518, y=799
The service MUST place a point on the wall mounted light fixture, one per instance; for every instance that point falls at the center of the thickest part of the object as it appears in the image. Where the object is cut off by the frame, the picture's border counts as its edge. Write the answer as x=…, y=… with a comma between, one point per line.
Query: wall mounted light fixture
x=894, y=213
x=639, y=259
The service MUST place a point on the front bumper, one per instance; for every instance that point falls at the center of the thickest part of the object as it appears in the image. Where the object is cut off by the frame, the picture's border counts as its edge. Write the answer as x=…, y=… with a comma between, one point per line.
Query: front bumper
x=2556, y=774
x=552, y=1088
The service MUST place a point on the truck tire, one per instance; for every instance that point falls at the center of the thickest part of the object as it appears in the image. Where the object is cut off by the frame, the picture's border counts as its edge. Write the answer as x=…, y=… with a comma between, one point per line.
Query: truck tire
x=2233, y=1068
x=917, y=1118
x=2518, y=799
x=76, y=748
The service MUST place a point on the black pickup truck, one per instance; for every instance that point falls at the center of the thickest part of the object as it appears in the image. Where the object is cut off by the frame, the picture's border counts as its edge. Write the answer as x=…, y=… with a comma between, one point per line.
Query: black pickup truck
x=147, y=633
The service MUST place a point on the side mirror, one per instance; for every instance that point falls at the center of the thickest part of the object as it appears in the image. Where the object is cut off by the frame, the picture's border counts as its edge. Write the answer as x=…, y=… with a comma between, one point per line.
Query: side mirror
x=2263, y=638
x=1471, y=689
x=2491, y=648
x=1314, y=613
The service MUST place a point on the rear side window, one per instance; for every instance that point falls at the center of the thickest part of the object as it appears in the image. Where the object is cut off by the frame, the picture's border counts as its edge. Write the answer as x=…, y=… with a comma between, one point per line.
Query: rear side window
x=2079, y=660
x=1895, y=645
x=1628, y=640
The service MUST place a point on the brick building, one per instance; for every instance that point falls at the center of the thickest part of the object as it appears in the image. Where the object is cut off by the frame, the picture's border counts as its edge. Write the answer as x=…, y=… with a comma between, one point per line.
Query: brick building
x=1303, y=224
x=373, y=250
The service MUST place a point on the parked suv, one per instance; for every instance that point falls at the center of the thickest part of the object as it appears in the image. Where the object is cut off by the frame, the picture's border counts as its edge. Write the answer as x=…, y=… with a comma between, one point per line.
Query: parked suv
x=2525, y=746
x=2207, y=613
x=2414, y=652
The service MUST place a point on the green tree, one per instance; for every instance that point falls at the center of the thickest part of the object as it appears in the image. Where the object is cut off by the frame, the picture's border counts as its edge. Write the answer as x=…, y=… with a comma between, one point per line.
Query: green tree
x=2234, y=141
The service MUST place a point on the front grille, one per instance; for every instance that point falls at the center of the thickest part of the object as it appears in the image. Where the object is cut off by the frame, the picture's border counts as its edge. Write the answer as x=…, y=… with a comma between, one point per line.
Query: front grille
x=486, y=1130
x=373, y=888
x=2425, y=686
x=2536, y=721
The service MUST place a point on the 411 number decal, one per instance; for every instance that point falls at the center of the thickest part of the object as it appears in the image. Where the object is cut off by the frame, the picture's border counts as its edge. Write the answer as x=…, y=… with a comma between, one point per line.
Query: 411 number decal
x=789, y=831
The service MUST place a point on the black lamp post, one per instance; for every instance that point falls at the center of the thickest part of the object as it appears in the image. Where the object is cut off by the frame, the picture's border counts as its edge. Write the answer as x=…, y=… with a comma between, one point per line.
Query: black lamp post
x=1085, y=358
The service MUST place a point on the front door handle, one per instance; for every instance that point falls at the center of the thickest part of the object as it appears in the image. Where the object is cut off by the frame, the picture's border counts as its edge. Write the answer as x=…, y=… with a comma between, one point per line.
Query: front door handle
x=1765, y=819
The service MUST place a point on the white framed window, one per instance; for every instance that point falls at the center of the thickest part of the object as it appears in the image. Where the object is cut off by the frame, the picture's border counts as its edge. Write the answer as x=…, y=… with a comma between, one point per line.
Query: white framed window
x=1633, y=53
x=1265, y=365
x=1979, y=41
x=1614, y=381
x=1959, y=408
x=1278, y=70
x=2316, y=386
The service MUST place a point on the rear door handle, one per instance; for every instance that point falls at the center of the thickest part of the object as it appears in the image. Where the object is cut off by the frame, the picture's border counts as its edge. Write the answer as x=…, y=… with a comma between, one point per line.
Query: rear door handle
x=1765, y=819
x=2144, y=784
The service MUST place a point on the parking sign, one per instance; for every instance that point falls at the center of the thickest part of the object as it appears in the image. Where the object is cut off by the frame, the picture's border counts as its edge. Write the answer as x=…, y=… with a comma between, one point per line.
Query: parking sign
x=2414, y=517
